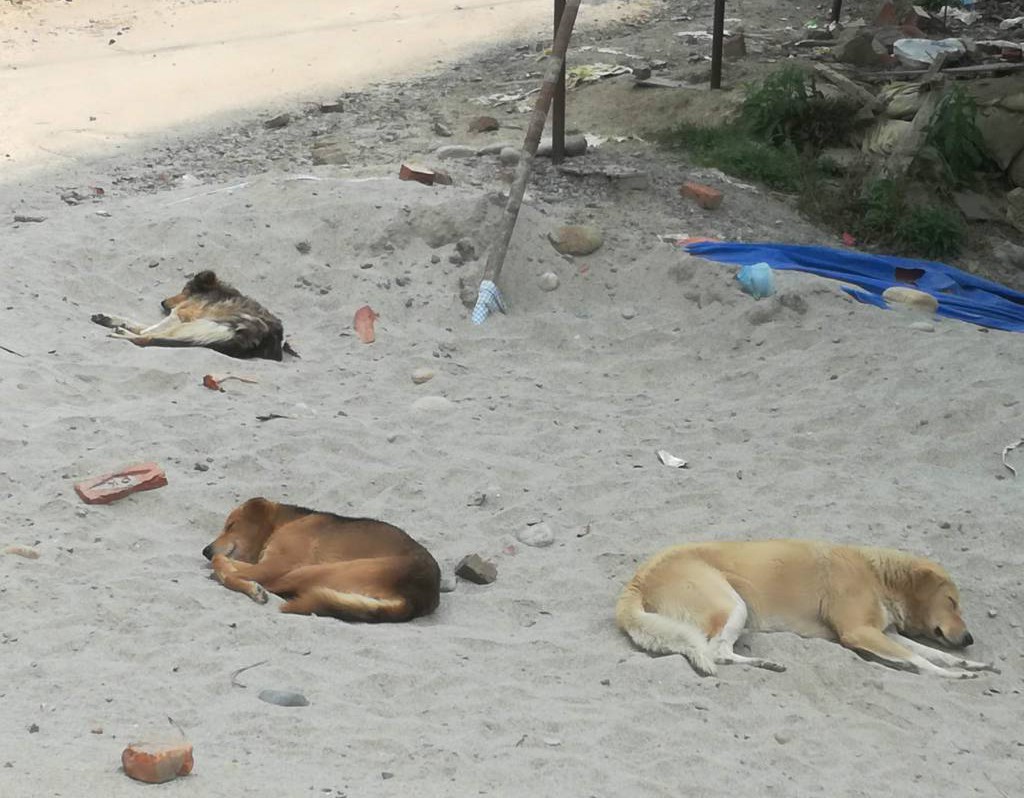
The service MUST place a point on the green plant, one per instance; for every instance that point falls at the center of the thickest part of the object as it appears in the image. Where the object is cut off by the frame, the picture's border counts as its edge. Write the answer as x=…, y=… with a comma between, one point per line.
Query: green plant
x=888, y=218
x=954, y=134
x=786, y=108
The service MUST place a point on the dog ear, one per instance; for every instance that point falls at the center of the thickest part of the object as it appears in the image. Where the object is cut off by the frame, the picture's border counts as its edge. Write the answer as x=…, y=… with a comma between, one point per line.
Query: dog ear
x=259, y=509
x=204, y=281
x=927, y=578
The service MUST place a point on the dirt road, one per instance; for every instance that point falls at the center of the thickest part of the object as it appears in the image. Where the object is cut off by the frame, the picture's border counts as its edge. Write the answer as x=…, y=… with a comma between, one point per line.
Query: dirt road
x=81, y=79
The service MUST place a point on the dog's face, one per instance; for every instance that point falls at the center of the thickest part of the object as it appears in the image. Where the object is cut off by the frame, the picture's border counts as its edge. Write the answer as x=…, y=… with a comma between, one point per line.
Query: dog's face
x=935, y=608
x=204, y=282
x=245, y=531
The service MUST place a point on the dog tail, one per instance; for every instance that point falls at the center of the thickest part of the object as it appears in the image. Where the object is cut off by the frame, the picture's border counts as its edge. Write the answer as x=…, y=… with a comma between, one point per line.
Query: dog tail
x=661, y=634
x=348, y=606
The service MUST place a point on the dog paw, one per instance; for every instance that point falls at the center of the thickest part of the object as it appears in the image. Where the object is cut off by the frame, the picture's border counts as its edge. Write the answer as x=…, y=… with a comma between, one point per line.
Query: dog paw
x=259, y=594
x=969, y=665
x=102, y=319
x=778, y=667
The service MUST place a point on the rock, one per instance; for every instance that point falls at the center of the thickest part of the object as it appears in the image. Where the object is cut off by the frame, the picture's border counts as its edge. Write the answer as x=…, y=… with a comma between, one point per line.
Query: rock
x=857, y=46
x=494, y=149
x=783, y=737
x=284, y=698
x=1015, y=207
x=330, y=150
x=450, y=151
x=1016, y=171
x=476, y=569
x=992, y=613
x=628, y=312
x=420, y=174
x=734, y=47
x=576, y=239
x=466, y=249
x=911, y=298
x=432, y=404
x=448, y=582
x=422, y=375
x=977, y=207
x=922, y=326
x=708, y=198
x=468, y=291
x=538, y=535
x=575, y=145
x=277, y=122
x=1013, y=102
x=1003, y=134
x=332, y=108
x=442, y=129
x=509, y=156
x=548, y=281
x=483, y=124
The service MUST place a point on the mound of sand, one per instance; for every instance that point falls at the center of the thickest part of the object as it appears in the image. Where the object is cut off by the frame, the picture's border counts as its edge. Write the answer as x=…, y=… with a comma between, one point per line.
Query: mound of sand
x=804, y=414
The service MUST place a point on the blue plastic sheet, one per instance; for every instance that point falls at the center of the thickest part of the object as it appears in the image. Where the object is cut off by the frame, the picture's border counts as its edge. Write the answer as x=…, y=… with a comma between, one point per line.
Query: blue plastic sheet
x=960, y=295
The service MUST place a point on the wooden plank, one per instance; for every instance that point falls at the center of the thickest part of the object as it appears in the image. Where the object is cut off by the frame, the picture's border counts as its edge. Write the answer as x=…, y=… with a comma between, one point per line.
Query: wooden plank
x=848, y=87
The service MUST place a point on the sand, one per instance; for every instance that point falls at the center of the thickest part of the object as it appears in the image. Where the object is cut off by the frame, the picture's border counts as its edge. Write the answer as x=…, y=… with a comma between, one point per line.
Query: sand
x=804, y=415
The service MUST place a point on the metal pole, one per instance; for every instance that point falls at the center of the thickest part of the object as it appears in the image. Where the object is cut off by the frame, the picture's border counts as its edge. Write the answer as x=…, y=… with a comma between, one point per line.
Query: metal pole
x=496, y=256
x=717, y=34
x=558, y=101
x=837, y=9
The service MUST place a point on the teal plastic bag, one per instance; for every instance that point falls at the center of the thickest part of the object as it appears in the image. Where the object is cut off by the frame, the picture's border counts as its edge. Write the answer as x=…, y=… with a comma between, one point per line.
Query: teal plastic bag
x=757, y=279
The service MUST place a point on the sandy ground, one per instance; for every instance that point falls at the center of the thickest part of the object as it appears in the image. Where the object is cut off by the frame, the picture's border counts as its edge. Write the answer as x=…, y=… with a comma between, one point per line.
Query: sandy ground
x=80, y=79
x=805, y=415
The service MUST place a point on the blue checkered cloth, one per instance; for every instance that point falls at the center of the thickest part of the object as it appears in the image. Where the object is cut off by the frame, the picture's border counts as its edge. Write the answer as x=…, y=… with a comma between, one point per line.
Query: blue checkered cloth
x=487, y=301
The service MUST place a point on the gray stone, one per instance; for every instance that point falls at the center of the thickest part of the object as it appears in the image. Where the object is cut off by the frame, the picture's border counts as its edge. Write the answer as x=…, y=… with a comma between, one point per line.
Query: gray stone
x=450, y=151
x=422, y=375
x=628, y=312
x=331, y=150
x=441, y=129
x=494, y=149
x=576, y=239
x=1015, y=208
x=509, y=156
x=548, y=281
x=858, y=46
x=476, y=569
x=432, y=404
x=1003, y=134
x=279, y=121
x=284, y=698
x=466, y=249
x=538, y=535
x=448, y=582
x=977, y=207
x=923, y=326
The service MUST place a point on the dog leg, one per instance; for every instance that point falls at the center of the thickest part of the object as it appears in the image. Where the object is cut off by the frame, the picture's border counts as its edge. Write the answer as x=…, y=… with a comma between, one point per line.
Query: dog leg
x=117, y=323
x=939, y=657
x=872, y=642
x=722, y=643
x=227, y=573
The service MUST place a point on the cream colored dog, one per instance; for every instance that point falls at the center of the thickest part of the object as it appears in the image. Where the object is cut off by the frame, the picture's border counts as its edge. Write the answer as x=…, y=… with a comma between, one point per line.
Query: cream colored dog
x=697, y=599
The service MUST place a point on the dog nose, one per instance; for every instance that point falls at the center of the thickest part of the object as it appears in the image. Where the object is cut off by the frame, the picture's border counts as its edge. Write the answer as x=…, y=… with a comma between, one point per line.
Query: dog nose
x=164, y=305
x=968, y=639
x=208, y=552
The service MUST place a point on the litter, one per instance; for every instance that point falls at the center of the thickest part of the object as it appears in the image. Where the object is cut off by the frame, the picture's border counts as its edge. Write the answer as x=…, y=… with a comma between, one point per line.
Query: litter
x=1009, y=448
x=591, y=73
x=363, y=323
x=670, y=459
x=757, y=279
x=920, y=53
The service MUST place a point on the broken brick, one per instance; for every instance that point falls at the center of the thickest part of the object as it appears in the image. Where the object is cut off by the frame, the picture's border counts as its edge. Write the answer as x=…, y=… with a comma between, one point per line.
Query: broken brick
x=705, y=196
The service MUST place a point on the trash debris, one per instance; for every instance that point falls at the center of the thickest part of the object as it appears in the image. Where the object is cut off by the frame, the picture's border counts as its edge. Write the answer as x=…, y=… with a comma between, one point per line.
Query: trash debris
x=1009, y=448
x=27, y=552
x=23, y=219
x=576, y=239
x=476, y=569
x=920, y=53
x=272, y=416
x=111, y=487
x=363, y=323
x=670, y=459
x=591, y=73
x=757, y=279
x=214, y=383
x=488, y=300
x=156, y=763
x=284, y=698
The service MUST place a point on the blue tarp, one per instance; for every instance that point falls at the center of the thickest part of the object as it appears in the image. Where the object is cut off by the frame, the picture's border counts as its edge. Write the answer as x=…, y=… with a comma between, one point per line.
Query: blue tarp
x=960, y=295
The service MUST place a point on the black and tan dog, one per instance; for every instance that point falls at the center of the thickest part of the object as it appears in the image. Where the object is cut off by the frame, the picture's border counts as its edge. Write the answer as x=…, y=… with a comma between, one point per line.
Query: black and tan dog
x=211, y=314
x=355, y=569
x=697, y=599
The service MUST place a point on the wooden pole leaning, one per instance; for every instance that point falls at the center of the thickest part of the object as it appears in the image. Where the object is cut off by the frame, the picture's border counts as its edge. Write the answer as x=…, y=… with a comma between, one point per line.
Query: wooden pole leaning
x=499, y=247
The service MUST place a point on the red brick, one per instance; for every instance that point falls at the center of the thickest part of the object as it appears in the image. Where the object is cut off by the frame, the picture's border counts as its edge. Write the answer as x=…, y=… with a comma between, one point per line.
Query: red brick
x=111, y=487
x=705, y=196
